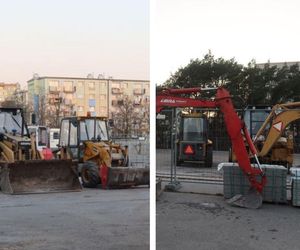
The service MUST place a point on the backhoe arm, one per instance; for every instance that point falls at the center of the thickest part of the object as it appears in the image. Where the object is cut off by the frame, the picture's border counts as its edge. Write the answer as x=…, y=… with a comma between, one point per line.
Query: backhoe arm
x=278, y=123
x=235, y=126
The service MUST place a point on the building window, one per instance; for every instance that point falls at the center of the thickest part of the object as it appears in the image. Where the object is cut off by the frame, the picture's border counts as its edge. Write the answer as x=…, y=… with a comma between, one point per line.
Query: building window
x=80, y=108
x=80, y=90
x=138, y=85
x=53, y=86
x=92, y=109
x=68, y=86
x=92, y=102
x=102, y=97
x=103, y=111
x=91, y=86
x=80, y=84
x=115, y=85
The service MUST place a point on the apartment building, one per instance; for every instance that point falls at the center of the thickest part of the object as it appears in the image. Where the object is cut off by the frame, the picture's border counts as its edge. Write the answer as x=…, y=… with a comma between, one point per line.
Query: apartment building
x=7, y=91
x=277, y=64
x=71, y=95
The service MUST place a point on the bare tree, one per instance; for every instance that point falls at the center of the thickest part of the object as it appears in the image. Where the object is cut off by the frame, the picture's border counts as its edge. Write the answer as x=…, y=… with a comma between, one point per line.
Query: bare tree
x=129, y=118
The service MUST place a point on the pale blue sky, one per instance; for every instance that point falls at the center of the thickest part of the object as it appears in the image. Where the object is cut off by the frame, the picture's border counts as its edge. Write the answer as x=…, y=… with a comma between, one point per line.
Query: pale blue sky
x=74, y=38
x=245, y=29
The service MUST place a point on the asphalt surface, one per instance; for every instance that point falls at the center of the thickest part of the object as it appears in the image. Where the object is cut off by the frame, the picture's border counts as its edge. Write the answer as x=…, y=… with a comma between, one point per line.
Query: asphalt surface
x=195, y=221
x=91, y=219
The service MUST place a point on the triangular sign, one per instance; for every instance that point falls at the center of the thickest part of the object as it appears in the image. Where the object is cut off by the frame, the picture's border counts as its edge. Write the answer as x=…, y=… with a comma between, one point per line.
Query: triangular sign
x=278, y=126
x=189, y=150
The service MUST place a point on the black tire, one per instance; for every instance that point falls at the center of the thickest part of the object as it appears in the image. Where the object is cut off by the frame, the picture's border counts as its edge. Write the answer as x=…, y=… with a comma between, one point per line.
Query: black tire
x=90, y=175
x=209, y=157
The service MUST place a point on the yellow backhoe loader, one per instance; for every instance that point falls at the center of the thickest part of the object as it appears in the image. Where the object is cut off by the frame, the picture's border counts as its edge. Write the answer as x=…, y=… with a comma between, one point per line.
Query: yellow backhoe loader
x=97, y=159
x=22, y=166
x=268, y=127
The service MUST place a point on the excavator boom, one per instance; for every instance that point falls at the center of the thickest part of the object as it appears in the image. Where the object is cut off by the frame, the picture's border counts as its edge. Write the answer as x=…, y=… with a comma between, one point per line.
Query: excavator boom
x=236, y=128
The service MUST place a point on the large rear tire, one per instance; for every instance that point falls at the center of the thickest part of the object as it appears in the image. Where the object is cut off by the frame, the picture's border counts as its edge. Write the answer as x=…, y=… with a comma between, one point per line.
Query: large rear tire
x=90, y=175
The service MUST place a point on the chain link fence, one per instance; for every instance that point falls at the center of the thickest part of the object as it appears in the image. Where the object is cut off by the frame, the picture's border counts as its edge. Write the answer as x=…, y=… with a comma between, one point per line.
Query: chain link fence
x=165, y=163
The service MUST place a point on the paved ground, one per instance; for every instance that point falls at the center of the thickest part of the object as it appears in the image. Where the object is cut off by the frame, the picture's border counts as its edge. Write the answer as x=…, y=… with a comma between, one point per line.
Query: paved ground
x=92, y=219
x=194, y=221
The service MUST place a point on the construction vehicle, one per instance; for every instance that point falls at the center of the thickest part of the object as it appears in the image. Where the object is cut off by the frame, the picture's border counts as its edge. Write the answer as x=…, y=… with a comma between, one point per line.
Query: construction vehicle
x=46, y=138
x=53, y=138
x=193, y=144
x=236, y=130
x=22, y=165
x=273, y=142
x=41, y=134
x=97, y=159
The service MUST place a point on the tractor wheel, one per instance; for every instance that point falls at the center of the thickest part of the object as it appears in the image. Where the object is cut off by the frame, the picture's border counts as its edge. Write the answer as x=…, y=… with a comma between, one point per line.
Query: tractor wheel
x=209, y=158
x=90, y=175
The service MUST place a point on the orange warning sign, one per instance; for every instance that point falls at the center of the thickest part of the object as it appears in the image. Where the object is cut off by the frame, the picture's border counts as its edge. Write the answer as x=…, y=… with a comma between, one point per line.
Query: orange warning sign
x=278, y=126
x=189, y=150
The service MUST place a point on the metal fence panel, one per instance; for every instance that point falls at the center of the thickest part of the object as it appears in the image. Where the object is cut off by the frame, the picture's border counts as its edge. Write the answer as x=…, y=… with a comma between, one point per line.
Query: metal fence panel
x=138, y=150
x=194, y=171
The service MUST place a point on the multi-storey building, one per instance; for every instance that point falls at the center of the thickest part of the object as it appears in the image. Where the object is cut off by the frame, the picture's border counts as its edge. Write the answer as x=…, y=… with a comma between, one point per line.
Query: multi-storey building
x=277, y=64
x=7, y=91
x=99, y=96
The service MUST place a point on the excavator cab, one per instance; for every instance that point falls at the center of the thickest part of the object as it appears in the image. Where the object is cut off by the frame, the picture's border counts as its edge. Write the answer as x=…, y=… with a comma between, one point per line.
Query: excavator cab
x=254, y=117
x=193, y=143
x=261, y=120
x=98, y=160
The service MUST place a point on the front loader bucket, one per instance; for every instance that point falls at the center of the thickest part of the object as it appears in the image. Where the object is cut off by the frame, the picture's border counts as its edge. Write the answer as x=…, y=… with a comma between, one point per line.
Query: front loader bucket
x=252, y=199
x=38, y=176
x=123, y=177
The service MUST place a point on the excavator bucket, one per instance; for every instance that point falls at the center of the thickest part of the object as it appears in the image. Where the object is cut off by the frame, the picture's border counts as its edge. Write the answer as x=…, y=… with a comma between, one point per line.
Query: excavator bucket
x=252, y=199
x=123, y=177
x=38, y=176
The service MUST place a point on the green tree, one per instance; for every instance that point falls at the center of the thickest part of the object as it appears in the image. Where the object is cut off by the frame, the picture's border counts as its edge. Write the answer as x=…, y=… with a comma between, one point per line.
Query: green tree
x=249, y=85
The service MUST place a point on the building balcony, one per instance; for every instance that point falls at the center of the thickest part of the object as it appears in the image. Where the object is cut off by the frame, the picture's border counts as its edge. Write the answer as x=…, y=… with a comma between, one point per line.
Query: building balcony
x=139, y=91
x=116, y=91
x=53, y=89
x=116, y=102
x=69, y=89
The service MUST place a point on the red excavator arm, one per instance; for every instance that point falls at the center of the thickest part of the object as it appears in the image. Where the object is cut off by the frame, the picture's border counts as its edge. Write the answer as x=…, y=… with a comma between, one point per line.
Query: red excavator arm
x=234, y=125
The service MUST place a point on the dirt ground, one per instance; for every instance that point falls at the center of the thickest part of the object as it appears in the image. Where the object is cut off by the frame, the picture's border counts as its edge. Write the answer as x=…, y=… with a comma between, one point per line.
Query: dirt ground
x=91, y=219
x=206, y=222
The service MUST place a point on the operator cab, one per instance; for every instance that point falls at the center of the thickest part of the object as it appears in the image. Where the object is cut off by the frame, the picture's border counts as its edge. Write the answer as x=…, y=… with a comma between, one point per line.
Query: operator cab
x=41, y=136
x=254, y=117
x=12, y=122
x=193, y=144
x=75, y=130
